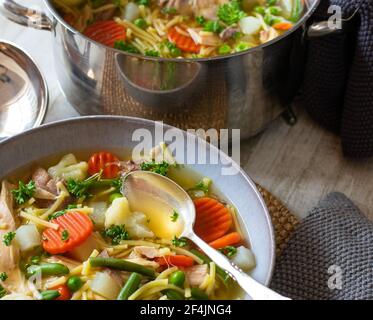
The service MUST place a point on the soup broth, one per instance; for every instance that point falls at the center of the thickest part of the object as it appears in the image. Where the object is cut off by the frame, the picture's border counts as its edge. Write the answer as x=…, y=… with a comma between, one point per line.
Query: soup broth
x=66, y=223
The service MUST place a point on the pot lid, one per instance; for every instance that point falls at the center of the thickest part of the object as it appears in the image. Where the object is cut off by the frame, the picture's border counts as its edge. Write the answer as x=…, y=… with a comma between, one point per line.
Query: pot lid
x=23, y=91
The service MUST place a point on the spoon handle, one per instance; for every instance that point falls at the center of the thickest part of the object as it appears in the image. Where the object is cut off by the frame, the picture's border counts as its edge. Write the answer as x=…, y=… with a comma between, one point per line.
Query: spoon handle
x=254, y=289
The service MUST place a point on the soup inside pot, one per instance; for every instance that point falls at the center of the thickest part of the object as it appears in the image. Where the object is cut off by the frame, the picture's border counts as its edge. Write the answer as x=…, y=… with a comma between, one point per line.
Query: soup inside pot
x=181, y=28
x=67, y=232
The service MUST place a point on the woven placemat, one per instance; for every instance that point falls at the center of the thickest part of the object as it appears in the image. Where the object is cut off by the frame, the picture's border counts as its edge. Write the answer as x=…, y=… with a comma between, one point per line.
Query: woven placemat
x=284, y=222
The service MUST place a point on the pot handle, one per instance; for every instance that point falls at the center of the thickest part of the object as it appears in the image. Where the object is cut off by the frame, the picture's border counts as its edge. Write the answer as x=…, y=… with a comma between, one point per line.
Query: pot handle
x=25, y=16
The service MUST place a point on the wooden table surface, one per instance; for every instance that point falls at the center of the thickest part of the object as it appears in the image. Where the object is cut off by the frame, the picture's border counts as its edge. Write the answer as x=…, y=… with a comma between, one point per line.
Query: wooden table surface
x=298, y=164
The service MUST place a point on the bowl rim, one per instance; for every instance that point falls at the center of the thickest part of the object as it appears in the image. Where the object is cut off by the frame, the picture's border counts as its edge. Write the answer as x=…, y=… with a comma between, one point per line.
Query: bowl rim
x=248, y=180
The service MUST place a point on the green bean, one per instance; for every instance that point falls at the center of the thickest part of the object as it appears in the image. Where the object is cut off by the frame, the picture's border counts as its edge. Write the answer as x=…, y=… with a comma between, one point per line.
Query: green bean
x=297, y=11
x=199, y=294
x=173, y=295
x=271, y=2
x=177, y=278
x=120, y=264
x=130, y=287
x=49, y=295
x=275, y=10
x=222, y=274
x=47, y=269
x=74, y=283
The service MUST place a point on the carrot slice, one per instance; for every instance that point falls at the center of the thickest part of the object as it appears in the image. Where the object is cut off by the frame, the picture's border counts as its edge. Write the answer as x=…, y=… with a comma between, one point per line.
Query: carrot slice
x=183, y=42
x=176, y=260
x=284, y=26
x=213, y=219
x=106, y=32
x=105, y=161
x=227, y=240
x=74, y=229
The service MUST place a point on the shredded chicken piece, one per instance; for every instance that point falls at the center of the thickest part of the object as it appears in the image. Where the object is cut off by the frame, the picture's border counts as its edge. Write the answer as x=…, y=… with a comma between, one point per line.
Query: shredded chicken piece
x=268, y=35
x=196, y=274
x=148, y=252
x=204, y=38
x=44, y=183
x=9, y=255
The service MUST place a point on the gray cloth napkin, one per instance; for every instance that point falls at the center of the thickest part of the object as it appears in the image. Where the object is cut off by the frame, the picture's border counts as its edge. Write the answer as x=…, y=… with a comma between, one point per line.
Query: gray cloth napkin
x=329, y=256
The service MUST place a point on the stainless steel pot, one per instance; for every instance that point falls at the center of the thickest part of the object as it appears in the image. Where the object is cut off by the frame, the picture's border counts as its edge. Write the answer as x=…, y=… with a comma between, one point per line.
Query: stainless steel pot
x=243, y=91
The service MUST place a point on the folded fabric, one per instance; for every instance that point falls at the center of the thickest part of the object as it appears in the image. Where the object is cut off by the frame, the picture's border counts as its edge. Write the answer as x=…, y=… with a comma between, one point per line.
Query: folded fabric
x=329, y=256
x=338, y=84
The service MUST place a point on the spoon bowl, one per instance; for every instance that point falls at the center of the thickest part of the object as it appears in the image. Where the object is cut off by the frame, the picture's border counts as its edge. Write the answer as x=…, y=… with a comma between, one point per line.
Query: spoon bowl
x=154, y=188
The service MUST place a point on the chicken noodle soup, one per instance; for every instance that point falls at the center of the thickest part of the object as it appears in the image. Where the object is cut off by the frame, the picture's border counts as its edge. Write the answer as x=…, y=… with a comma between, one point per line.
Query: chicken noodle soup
x=181, y=28
x=68, y=232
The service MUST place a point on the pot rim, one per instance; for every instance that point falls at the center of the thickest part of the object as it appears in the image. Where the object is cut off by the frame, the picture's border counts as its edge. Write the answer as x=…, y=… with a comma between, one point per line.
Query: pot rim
x=244, y=175
x=300, y=23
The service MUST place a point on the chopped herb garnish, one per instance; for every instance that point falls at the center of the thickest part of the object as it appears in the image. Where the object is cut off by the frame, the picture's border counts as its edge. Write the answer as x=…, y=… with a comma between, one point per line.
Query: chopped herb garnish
x=179, y=242
x=65, y=235
x=3, y=292
x=80, y=189
x=213, y=26
x=56, y=214
x=229, y=251
x=3, y=276
x=160, y=168
x=126, y=47
x=143, y=2
x=174, y=216
x=169, y=10
x=152, y=53
x=231, y=12
x=203, y=185
x=35, y=259
x=24, y=192
x=201, y=20
x=8, y=238
x=116, y=233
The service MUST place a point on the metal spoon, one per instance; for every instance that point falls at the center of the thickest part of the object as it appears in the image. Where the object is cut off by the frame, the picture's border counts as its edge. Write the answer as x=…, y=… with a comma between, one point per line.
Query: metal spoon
x=154, y=187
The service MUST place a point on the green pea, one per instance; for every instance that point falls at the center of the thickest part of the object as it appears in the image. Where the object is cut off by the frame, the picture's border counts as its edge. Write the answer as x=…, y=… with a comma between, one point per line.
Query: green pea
x=177, y=278
x=74, y=283
x=115, y=196
x=225, y=49
x=49, y=295
x=175, y=52
x=141, y=23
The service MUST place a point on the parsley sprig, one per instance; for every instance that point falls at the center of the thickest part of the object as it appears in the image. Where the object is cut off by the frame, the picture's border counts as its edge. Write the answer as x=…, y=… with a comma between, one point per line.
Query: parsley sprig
x=116, y=233
x=160, y=168
x=81, y=189
x=174, y=216
x=229, y=251
x=179, y=242
x=24, y=192
x=3, y=276
x=8, y=238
